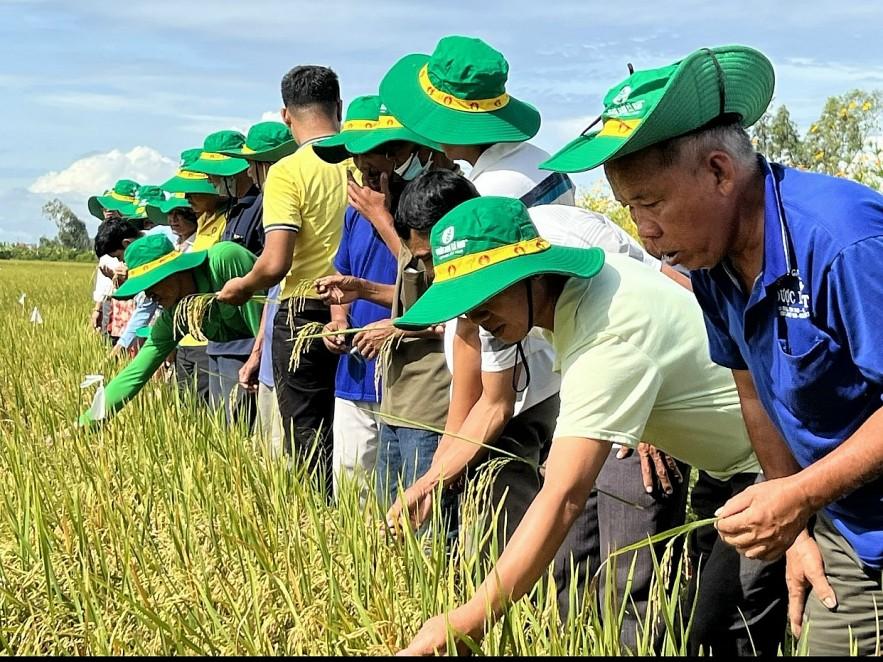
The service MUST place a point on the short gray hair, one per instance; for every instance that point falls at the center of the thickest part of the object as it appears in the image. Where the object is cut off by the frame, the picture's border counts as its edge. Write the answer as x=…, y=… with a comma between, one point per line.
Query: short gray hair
x=729, y=137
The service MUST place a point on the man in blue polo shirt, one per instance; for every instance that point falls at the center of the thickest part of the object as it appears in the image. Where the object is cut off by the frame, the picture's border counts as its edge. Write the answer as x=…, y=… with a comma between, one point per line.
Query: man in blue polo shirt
x=788, y=268
x=387, y=156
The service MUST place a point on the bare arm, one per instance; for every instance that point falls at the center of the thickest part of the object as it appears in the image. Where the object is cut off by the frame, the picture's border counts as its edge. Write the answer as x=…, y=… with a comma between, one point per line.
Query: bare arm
x=772, y=452
x=467, y=379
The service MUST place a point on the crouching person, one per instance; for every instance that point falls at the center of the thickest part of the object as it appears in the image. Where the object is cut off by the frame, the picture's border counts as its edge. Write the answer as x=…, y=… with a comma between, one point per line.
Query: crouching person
x=630, y=347
x=167, y=276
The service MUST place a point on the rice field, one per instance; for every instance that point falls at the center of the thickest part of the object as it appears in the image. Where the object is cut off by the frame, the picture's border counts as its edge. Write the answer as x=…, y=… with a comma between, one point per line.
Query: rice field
x=167, y=532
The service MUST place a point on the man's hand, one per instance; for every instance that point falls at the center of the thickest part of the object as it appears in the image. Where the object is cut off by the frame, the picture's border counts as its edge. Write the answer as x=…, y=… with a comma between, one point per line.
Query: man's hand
x=120, y=273
x=371, y=204
x=338, y=290
x=248, y=373
x=656, y=466
x=95, y=320
x=105, y=270
x=335, y=344
x=763, y=521
x=118, y=350
x=235, y=292
x=416, y=503
x=805, y=570
x=371, y=340
x=432, y=639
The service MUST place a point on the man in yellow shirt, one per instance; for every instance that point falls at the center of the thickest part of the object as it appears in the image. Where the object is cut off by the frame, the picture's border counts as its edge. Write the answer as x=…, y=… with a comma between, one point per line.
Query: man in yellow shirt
x=304, y=203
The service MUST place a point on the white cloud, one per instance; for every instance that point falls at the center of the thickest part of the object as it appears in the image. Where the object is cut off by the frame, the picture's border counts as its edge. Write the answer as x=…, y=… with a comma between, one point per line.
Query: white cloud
x=271, y=116
x=96, y=173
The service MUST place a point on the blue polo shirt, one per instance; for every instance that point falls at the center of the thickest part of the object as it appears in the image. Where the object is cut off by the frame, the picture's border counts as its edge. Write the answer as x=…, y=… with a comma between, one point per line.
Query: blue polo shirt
x=363, y=254
x=810, y=330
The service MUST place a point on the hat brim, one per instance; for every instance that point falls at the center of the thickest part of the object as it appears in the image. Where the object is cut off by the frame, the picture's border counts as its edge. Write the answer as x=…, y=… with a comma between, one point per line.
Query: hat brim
x=362, y=142
x=222, y=168
x=182, y=262
x=400, y=90
x=690, y=101
x=451, y=298
x=98, y=203
x=159, y=214
x=181, y=185
x=270, y=155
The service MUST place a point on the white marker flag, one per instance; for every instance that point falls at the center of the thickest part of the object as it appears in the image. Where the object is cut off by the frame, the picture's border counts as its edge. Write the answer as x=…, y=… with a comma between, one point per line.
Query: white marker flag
x=22, y=298
x=36, y=317
x=97, y=411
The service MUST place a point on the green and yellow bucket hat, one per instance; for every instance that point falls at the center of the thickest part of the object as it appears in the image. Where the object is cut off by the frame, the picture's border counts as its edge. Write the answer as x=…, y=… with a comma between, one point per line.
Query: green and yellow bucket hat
x=480, y=248
x=212, y=160
x=122, y=198
x=152, y=258
x=147, y=195
x=186, y=180
x=457, y=95
x=368, y=125
x=159, y=212
x=266, y=141
x=654, y=105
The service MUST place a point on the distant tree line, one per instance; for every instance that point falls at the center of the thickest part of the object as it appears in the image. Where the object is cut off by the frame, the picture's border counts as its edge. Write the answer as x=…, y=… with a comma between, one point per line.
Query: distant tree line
x=71, y=244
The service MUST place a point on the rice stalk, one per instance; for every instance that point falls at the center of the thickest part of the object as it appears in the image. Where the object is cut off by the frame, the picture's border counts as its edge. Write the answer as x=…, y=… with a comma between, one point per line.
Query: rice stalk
x=303, y=339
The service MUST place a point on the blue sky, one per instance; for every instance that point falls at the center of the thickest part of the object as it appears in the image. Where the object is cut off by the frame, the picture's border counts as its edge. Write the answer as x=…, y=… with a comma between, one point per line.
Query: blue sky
x=94, y=90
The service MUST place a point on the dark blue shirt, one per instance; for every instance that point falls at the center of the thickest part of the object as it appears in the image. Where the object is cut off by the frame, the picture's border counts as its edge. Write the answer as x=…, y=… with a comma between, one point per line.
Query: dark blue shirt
x=811, y=329
x=363, y=254
x=245, y=227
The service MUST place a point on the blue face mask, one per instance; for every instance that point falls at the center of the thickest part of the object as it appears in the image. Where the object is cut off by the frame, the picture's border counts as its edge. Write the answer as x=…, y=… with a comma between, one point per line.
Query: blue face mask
x=412, y=168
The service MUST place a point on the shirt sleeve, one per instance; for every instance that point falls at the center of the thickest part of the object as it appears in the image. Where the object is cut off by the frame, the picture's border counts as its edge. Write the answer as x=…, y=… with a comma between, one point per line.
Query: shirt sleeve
x=141, y=317
x=855, y=304
x=608, y=390
x=134, y=376
x=342, y=259
x=722, y=347
x=282, y=200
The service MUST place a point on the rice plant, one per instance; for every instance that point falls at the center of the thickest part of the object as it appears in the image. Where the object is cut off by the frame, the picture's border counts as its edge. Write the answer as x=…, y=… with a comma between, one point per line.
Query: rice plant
x=167, y=531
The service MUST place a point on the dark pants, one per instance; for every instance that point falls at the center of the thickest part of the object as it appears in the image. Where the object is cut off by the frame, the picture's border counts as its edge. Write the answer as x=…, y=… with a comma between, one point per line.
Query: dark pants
x=192, y=371
x=609, y=523
x=606, y=523
x=224, y=391
x=305, y=395
x=741, y=604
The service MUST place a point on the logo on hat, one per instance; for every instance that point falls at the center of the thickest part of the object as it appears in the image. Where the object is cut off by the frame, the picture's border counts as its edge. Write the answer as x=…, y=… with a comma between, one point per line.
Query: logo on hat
x=623, y=95
x=448, y=235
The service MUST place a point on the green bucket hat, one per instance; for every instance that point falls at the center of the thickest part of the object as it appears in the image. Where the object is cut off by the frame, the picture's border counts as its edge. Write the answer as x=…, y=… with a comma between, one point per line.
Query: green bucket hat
x=480, y=248
x=458, y=95
x=212, y=160
x=266, y=141
x=122, y=198
x=189, y=181
x=654, y=105
x=152, y=258
x=146, y=195
x=159, y=212
x=366, y=128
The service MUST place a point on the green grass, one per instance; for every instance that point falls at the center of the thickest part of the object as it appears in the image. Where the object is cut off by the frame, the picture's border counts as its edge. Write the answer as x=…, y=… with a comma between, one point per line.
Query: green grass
x=167, y=532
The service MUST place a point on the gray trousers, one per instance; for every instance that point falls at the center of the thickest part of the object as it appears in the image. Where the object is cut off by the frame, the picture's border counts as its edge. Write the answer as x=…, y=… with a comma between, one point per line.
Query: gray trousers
x=224, y=391
x=192, y=371
x=859, y=600
x=606, y=523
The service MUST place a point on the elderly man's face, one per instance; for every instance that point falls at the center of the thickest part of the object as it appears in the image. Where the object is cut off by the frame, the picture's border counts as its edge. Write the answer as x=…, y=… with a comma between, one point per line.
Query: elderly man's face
x=504, y=315
x=685, y=212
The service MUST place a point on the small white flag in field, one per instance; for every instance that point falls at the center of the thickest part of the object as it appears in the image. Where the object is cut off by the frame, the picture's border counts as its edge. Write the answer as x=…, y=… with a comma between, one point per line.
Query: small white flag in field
x=36, y=317
x=97, y=411
x=22, y=298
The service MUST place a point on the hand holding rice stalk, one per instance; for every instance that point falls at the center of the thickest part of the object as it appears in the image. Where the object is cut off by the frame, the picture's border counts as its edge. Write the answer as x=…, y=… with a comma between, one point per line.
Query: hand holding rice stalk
x=193, y=311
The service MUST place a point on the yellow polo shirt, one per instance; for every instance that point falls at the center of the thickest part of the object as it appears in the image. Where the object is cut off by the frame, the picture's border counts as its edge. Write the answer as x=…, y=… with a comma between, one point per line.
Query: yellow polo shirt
x=304, y=194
